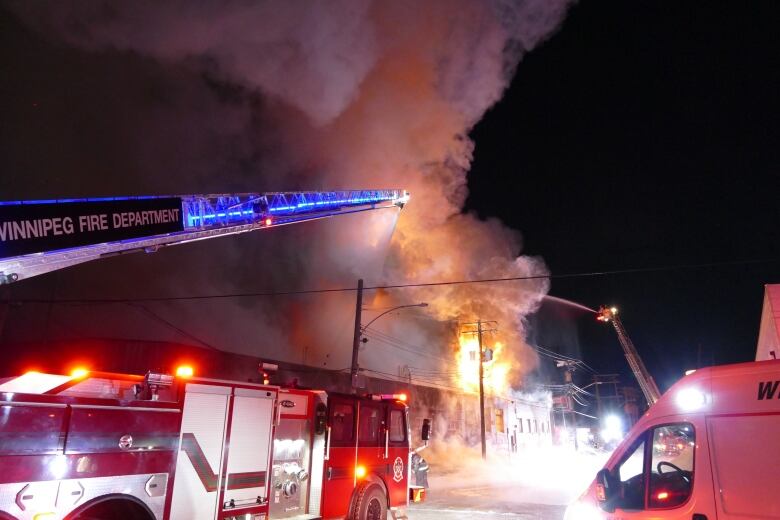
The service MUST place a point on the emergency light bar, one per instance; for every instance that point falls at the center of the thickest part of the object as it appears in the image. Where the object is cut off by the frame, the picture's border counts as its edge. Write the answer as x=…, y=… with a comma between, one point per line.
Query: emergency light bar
x=389, y=397
x=159, y=380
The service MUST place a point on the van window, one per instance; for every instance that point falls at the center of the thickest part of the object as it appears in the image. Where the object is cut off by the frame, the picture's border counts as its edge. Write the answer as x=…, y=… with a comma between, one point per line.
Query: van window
x=631, y=472
x=671, y=466
x=658, y=472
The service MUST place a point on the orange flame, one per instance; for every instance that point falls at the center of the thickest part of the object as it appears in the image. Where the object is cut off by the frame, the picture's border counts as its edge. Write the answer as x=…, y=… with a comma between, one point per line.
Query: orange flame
x=495, y=371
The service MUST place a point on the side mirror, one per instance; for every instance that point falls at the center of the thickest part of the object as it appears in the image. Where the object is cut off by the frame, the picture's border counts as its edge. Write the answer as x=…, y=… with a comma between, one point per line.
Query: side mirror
x=607, y=490
x=320, y=419
x=426, y=430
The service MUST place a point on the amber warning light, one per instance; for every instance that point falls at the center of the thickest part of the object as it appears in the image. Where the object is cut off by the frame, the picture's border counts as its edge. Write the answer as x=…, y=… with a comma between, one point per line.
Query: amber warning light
x=79, y=372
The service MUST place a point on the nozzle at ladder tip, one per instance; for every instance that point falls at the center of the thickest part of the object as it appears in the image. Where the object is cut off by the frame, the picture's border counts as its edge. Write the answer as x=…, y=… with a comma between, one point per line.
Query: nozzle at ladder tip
x=606, y=313
x=402, y=200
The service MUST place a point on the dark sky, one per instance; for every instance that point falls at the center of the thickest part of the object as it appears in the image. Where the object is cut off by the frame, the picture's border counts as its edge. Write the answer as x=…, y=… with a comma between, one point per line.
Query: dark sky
x=645, y=134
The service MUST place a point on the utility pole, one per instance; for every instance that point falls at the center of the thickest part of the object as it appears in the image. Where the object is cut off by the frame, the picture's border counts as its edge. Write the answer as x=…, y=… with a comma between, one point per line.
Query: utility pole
x=481, y=361
x=481, y=391
x=568, y=367
x=356, y=338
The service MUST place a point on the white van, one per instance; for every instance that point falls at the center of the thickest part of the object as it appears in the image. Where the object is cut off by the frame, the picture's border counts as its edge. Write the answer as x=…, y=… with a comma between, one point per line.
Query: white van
x=708, y=449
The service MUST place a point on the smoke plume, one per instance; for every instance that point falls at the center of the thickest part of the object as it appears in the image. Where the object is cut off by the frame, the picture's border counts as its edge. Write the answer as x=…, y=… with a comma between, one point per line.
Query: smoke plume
x=252, y=95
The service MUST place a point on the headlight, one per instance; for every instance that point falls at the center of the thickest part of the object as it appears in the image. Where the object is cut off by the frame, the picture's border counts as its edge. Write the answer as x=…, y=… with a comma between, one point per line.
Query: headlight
x=582, y=511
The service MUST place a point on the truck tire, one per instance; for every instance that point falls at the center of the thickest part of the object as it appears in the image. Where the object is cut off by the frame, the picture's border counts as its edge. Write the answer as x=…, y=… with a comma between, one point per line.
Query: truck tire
x=370, y=503
x=110, y=508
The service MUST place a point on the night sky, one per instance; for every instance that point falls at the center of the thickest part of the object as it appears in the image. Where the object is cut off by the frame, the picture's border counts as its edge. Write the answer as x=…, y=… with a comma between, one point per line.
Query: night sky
x=645, y=134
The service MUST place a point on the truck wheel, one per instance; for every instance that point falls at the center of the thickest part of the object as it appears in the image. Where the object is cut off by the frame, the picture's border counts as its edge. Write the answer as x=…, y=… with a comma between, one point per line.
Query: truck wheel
x=370, y=504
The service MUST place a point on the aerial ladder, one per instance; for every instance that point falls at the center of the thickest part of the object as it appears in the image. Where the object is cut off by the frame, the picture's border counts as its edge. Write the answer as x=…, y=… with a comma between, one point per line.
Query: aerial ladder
x=40, y=236
x=643, y=377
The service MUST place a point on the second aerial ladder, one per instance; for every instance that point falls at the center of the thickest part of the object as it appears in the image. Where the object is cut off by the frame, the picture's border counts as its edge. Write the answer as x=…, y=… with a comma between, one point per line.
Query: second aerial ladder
x=643, y=377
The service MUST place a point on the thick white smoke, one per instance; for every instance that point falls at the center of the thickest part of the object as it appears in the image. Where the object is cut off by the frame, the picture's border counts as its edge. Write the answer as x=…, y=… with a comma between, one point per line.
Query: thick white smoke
x=342, y=94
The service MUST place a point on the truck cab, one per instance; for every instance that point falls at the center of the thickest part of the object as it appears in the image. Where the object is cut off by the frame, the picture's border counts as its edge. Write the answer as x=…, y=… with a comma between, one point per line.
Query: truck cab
x=706, y=450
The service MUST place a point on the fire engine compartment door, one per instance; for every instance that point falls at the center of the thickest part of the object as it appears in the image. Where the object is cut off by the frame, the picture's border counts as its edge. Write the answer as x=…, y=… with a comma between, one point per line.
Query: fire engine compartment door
x=249, y=447
x=196, y=484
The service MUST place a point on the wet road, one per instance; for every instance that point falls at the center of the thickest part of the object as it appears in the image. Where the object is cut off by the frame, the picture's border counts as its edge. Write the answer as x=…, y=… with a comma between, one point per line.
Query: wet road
x=530, y=486
x=485, y=502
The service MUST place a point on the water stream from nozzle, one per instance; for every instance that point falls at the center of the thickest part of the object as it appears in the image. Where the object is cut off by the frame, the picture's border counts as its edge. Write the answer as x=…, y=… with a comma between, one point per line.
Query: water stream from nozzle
x=569, y=303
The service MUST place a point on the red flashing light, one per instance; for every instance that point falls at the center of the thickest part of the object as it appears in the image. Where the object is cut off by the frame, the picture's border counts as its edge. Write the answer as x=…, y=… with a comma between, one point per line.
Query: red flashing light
x=268, y=221
x=663, y=495
x=184, y=371
x=402, y=397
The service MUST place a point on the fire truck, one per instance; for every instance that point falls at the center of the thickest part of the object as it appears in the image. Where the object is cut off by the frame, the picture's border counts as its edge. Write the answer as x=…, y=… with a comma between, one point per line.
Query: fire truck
x=94, y=445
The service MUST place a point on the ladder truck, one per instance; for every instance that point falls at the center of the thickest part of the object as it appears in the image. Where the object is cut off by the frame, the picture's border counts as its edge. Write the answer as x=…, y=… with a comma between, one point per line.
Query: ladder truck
x=39, y=236
x=94, y=445
x=643, y=377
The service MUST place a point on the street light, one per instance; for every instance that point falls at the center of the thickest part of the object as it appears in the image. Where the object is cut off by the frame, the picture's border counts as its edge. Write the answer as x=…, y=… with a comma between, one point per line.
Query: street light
x=359, y=329
x=363, y=328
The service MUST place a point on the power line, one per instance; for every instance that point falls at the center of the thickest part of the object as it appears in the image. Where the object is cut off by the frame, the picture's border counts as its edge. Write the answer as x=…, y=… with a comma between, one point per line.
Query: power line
x=560, y=357
x=181, y=331
x=401, y=345
x=259, y=294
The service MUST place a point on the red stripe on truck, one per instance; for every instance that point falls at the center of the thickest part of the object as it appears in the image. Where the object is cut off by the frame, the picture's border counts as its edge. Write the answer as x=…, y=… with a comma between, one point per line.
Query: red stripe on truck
x=190, y=446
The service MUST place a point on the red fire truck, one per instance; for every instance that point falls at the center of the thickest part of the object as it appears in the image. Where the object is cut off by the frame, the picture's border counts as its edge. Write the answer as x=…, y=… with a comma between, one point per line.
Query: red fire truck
x=96, y=445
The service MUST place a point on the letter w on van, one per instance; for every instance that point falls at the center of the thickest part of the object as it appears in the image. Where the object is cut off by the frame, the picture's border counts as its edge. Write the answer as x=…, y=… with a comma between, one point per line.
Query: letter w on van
x=766, y=390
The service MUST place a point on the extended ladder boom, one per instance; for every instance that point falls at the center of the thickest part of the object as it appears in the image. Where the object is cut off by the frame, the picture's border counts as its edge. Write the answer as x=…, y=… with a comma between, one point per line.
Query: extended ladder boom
x=643, y=377
x=40, y=236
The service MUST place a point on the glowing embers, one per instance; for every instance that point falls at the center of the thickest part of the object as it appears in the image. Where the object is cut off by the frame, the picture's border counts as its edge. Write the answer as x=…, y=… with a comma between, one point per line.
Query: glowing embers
x=496, y=371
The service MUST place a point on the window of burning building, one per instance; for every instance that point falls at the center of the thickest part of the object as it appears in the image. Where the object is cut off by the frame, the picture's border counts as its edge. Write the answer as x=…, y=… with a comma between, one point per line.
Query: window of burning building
x=500, y=421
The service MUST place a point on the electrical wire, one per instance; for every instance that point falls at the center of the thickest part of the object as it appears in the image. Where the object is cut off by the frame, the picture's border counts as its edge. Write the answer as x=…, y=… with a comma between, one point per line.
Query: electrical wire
x=401, y=345
x=560, y=357
x=181, y=331
x=396, y=286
